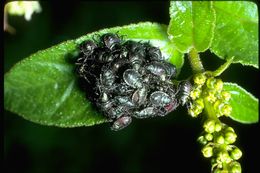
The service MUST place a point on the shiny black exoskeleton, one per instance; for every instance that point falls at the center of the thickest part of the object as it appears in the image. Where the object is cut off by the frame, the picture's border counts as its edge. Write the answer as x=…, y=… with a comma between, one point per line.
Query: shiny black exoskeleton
x=110, y=40
x=139, y=97
x=121, y=123
x=128, y=79
x=155, y=54
x=162, y=70
x=184, y=89
x=133, y=78
x=87, y=47
x=146, y=112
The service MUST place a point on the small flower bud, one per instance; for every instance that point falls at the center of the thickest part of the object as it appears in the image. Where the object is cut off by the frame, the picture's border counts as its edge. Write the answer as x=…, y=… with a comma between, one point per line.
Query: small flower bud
x=229, y=129
x=218, y=170
x=226, y=110
x=218, y=85
x=220, y=139
x=225, y=95
x=199, y=103
x=236, y=153
x=223, y=157
x=217, y=105
x=235, y=167
x=194, y=94
x=218, y=127
x=198, y=110
x=195, y=110
x=192, y=113
x=202, y=140
x=207, y=151
x=230, y=137
x=209, y=136
x=211, y=82
x=210, y=96
x=209, y=125
x=199, y=79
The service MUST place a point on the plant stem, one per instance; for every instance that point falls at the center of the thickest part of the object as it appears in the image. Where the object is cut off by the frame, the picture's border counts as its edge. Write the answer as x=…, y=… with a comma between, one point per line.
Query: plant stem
x=195, y=61
x=209, y=111
x=223, y=67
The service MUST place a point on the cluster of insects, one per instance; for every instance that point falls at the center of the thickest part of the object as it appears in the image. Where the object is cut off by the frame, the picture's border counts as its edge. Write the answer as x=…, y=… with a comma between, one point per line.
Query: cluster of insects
x=128, y=79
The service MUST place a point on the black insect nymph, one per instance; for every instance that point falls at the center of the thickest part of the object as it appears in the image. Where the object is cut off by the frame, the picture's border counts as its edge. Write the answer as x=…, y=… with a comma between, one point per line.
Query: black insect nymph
x=128, y=79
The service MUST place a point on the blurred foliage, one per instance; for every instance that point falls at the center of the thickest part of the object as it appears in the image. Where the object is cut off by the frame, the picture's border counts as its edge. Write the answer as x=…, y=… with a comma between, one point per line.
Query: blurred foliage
x=151, y=145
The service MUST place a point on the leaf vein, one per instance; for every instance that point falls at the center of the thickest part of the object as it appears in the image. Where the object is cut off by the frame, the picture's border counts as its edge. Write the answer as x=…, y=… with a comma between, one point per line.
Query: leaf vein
x=64, y=96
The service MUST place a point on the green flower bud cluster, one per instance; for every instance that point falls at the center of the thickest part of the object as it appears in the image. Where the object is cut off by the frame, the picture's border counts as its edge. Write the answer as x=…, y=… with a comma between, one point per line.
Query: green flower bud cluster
x=209, y=89
x=233, y=167
x=217, y=143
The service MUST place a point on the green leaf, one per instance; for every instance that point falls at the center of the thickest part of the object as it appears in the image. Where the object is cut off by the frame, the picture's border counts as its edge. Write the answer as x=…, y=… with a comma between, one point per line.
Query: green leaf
x=191, y=25
x=236, y=32
x=43, y=87
x=244, y=105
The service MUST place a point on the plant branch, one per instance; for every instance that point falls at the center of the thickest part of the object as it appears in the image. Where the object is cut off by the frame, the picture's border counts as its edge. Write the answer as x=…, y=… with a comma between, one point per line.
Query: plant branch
x=195, y=61
x=223, y=67
x=209, y=111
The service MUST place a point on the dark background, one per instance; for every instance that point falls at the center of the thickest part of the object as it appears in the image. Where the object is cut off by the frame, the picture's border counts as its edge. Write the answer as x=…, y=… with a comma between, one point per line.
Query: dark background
x=152, y=145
